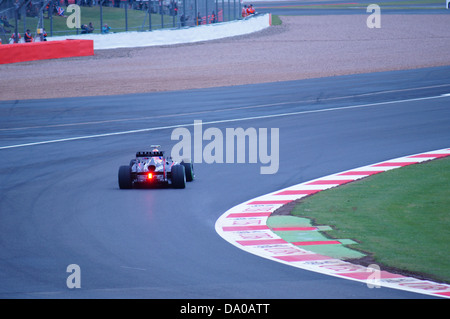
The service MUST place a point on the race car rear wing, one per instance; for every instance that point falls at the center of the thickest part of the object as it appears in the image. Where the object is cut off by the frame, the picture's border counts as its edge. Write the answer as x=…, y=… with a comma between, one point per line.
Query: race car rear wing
x=150, y=154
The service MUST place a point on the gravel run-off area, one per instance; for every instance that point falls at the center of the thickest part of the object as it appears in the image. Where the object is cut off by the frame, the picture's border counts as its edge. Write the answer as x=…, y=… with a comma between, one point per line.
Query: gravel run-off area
x=302, y=47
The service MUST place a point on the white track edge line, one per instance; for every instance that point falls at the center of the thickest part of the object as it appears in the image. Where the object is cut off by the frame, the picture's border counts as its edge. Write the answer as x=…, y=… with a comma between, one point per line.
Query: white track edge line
x=222, y=121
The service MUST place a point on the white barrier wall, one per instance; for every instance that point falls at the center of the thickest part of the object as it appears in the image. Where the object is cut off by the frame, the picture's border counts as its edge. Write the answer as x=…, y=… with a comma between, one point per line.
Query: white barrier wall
x=175, y=36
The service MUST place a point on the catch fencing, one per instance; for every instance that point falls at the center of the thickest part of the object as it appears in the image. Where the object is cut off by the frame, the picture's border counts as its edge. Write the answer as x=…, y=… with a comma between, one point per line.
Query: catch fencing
x=102, y=16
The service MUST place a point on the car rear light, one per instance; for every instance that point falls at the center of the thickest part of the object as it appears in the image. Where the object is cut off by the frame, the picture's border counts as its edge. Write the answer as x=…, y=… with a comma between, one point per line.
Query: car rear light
x=149, y=175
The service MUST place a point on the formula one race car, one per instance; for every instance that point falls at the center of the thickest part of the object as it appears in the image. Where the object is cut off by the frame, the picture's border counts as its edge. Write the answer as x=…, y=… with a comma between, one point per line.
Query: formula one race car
x=153, y=168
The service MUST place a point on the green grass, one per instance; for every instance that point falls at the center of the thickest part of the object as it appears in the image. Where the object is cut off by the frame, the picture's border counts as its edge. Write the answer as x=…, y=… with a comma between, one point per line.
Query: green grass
x=389, y=4
x=276, y=20
x=400, y=217
x=418, y=2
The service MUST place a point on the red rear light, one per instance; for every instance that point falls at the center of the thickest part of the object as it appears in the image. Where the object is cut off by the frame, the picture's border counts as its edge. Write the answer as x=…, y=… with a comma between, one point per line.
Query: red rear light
x=149, y=175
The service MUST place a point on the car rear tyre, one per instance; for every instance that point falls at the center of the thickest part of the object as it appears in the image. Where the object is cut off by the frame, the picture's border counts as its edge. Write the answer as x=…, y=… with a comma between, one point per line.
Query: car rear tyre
x=178, y=176
x=189, y=170
x=125, y=177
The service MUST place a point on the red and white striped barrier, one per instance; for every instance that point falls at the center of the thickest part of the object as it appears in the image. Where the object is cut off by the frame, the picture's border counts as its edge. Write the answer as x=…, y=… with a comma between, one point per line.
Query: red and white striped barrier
x=245, y=227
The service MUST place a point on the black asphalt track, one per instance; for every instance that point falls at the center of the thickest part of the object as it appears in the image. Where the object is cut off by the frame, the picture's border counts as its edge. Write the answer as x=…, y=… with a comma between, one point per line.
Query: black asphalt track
x=60, y=203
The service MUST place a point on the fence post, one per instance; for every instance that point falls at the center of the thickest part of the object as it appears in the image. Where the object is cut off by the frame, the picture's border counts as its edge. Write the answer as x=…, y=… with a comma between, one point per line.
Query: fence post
x=101, y=14
x=149, y=17
x=162, y=15
x=196, y=13
x=16, y=28
x=184, y=14
x=126, y=16
x=24, y=15
x=173, y=3
x=239, y=13
x=50, y=16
